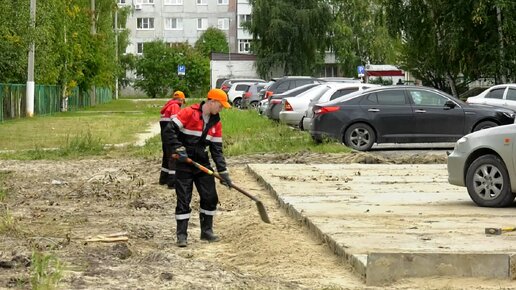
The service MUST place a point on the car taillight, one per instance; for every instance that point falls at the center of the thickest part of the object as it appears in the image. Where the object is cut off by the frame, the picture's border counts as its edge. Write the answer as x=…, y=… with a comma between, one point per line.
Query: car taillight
x=275, y=101
x=324, y=110
x=287, y=106
x=268, y=94
x=225, y=88
x=247, y=95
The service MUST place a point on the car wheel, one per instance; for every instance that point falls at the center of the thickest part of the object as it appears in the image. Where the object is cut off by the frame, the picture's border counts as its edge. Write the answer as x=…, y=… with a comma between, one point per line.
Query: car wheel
x=237, y=102
x=360, y=137
x=484, y=125
x=253, y=105
x=488, y=182
x=300, y=125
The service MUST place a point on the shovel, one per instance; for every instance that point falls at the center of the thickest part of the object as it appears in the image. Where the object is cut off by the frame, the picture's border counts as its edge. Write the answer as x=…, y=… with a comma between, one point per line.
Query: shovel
x=259, y=204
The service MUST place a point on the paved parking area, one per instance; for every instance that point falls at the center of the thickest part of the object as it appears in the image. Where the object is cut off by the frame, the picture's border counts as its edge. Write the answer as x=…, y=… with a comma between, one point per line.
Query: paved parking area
x=395, y=221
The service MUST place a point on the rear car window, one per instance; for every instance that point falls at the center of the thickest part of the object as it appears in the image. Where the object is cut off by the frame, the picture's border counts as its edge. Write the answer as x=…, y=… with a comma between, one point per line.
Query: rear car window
x=495, y=94
x=342, y=92
x=241, y=87
x=391, y=97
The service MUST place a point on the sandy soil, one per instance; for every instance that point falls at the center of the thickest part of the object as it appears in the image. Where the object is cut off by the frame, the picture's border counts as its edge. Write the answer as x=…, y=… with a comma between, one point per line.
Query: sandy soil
x=57, y=205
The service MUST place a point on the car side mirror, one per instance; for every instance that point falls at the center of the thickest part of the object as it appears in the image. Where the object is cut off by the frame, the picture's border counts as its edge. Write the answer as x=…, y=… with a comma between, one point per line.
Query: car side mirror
x=450, y=105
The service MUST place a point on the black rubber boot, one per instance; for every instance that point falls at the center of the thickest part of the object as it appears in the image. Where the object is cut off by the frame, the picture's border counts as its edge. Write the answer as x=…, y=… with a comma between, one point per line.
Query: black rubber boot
x=163, y=177
x=181, y=231
x=207, y=228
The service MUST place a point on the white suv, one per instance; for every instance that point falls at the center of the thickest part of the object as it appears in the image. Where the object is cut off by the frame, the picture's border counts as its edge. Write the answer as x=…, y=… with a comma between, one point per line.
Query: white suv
x=236, y=91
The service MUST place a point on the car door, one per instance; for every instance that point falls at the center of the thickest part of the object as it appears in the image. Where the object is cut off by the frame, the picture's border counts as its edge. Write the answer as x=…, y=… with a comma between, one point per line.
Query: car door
x=390, y=113
x=435, y=121
x=510, y=98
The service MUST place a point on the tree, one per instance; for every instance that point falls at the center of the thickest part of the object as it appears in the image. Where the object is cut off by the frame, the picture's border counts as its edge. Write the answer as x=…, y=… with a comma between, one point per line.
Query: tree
x=67, y=54
x=447, y=44
x=290, y=34
x=157, y=69
x=212, y=40
x=358, y=35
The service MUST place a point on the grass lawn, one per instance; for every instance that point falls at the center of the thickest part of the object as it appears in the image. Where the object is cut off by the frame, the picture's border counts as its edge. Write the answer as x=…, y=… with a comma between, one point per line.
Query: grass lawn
x=83, y=133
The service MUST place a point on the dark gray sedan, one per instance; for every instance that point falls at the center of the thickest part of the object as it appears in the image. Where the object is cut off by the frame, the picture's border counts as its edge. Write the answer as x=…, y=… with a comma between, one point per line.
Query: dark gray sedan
x=408, y=114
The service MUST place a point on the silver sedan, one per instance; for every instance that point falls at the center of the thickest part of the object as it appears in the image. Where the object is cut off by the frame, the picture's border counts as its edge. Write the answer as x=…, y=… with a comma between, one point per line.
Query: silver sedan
x=483, y=162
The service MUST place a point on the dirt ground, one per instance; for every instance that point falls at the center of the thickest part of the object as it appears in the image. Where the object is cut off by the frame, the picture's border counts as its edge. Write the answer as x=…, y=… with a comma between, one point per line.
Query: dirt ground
x=56, y=205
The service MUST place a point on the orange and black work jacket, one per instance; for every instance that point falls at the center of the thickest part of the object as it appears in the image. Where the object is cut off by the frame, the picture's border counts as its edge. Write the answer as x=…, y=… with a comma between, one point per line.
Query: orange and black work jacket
x=189, y=130
x=169, y=110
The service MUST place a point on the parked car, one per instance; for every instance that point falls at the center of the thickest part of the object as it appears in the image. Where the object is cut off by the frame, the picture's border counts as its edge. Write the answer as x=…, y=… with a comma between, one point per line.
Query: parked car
x=274, y=106
x=262, y=106
x=294, y=108
x=306, y=120
x=499, y=95
x=236, y=92
x=250, y=98
x=341, y=80
x=402, y=114
x=226, y=85
x=483, y=162
x=284, y=84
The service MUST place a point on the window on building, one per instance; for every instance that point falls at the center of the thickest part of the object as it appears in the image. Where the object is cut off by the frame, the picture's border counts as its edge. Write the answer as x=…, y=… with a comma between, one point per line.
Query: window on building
x=139, y=48
x=223, y=23
x=222, y=2
x=244, y=45
x=173, y=23
x=243, y=18
x=145, y=23
x=144, y=2
x=202, y=23
x=173, y=2
x=121, y=1
x=202, y=2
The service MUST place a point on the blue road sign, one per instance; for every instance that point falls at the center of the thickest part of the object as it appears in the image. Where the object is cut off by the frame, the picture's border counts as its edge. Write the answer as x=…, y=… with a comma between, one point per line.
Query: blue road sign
x=181, y=69
x=360, y=70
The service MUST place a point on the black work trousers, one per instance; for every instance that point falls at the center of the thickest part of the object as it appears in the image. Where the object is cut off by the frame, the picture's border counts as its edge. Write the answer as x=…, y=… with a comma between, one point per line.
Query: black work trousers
x=205, y=185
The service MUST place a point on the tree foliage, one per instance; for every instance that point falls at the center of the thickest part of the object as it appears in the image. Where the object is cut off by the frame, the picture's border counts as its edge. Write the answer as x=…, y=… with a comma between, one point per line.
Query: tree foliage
x=67, y=53
x=450, y=43
x=289, y=34
x=212, y=40
x=358, y=35
x=157, y=69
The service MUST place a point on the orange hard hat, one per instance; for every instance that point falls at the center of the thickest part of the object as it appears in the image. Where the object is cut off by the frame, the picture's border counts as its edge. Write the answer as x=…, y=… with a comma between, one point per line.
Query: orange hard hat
x=179, y=95
x=219, y=95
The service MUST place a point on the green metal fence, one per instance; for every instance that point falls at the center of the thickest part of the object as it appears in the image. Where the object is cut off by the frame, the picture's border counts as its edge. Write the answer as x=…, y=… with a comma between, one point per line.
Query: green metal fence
x=47, y=100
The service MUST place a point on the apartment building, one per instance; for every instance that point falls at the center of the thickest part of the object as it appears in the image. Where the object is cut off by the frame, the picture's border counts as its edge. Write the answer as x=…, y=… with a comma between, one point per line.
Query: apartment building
x=186, y=20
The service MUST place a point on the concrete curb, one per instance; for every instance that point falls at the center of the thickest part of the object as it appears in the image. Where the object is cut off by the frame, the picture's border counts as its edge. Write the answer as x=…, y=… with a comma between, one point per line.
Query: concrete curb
x=383, y=268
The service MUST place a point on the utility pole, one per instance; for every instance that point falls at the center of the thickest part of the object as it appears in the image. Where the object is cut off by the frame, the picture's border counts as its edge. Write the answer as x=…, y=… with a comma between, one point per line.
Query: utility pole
x=30, y=69
x=116, y=52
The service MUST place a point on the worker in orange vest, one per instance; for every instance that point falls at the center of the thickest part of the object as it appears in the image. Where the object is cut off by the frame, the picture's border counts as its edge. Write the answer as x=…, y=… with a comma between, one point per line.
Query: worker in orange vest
x=169, y=111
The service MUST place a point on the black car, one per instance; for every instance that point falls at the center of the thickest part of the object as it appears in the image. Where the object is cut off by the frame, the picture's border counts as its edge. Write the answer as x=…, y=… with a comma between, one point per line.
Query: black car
x=287, y=83
x=408, y=114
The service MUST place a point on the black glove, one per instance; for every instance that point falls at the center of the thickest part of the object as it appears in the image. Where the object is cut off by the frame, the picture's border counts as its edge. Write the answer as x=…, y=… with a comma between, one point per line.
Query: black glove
x=181, y=154
x=225, y=180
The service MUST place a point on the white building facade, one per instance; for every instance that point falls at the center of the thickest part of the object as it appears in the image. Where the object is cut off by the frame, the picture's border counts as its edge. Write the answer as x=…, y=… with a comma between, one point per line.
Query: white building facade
x=186, y=20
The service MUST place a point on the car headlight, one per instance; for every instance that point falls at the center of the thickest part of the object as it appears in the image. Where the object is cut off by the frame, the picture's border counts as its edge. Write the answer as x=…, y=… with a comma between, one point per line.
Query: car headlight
x=460, y=144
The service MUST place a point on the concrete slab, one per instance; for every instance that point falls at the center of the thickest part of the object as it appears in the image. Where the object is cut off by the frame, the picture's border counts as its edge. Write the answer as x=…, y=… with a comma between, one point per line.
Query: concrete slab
x=394, y=220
